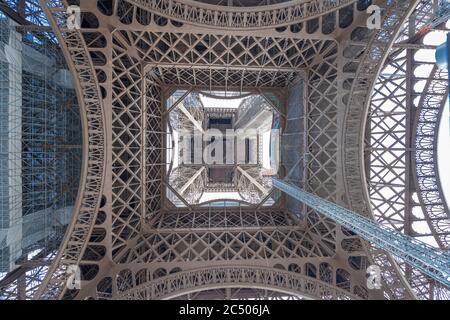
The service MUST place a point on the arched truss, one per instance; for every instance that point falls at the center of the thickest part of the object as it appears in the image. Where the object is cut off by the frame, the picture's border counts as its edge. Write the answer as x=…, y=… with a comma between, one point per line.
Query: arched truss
x=248, y=103
x=189, y=182
x=182, y=283
x=213, y=202
x=238, y=293
x=142, y=62
x=401, y=147
x=93, y=167
x=252, y=185
x=367, y=54
x=215, y=95
x=193, y=105
x=426, y=177
x=429, y=188
x=225, y=17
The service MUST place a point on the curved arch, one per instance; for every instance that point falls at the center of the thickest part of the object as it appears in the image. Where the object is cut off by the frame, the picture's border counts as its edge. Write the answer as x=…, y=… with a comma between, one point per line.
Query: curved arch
x=425, y=162
x=373, y=56
x=245, y=286
x=87, y=204
x=214, y=96
x=400, y=145
x=185, y=282
x=239, y=293
x=229, y=17
x=207, y=203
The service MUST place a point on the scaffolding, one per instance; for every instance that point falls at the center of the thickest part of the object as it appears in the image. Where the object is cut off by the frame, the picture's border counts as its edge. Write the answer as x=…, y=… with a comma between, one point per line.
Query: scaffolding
x=40, y=139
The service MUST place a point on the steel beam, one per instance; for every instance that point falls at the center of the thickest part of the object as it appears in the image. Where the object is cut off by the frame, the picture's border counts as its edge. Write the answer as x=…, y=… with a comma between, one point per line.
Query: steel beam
x=191, y=117
x=191, y=180
x=252, y=180
x=433, y=262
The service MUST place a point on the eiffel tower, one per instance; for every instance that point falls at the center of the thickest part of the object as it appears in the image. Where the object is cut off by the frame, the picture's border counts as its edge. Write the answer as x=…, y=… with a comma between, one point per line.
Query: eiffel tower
x=330, y=93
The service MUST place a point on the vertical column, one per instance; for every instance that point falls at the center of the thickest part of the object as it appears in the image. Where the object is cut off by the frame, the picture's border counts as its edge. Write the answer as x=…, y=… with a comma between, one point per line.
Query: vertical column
x=409, y=143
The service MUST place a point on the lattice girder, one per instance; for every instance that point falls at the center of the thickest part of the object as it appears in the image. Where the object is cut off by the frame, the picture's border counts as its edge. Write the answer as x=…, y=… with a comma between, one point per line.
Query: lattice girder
x=224, y=277
x=133, y=65
x=395, y=127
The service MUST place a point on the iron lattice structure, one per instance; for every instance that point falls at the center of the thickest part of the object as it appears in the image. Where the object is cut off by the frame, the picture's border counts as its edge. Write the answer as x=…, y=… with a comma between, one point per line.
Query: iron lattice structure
x=130, y=56
x=401, y=146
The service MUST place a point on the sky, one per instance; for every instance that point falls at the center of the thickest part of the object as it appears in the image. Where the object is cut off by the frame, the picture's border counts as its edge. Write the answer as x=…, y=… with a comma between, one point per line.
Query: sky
x=220, y=103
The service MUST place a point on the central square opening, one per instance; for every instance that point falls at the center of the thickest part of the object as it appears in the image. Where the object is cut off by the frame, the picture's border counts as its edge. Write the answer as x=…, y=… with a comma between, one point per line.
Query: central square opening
x=223, y=148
